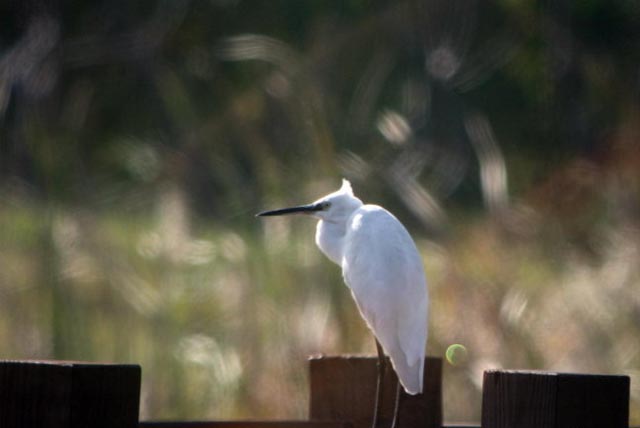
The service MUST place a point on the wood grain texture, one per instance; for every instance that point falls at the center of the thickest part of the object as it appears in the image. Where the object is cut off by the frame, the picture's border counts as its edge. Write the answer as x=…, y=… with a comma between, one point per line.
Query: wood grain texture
x=593, y=401
x=528, y=399
x=343, y=388
x=61, y=394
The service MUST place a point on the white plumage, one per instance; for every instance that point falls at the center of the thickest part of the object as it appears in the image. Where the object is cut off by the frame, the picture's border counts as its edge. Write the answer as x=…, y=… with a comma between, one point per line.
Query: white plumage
x=383, y=268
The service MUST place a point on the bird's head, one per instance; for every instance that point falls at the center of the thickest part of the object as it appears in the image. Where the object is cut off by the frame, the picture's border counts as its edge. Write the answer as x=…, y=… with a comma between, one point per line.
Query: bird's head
x=333, y=207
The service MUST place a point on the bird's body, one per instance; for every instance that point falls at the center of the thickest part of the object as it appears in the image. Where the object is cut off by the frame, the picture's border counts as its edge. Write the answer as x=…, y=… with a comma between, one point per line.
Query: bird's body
x=383, y=269
x=385, y=275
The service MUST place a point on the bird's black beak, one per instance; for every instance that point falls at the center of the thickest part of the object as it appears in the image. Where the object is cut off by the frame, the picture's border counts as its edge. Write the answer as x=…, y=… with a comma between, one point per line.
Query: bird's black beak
x=302, y=209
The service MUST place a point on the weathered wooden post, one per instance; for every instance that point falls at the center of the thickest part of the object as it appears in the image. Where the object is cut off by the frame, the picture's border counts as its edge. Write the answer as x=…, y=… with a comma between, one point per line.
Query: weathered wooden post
x=60, y=394
x=244, y=424
x=528, y=399
x=344, y=388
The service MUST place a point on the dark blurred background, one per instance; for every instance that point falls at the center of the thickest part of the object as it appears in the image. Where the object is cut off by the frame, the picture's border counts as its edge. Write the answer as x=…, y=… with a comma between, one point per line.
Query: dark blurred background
x=138, y=139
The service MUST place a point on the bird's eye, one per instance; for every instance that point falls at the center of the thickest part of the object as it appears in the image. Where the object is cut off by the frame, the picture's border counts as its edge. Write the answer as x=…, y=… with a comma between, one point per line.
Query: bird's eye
x=326, y=205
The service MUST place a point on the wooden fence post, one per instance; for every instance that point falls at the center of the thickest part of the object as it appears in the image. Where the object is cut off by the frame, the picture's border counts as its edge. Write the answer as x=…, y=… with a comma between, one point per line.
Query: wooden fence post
x=60, y=394
x=526, y=399
x=343, y=388
x=244, y=424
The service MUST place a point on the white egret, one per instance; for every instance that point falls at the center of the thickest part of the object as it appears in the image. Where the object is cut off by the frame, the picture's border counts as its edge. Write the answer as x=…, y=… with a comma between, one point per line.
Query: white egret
x=382, y=267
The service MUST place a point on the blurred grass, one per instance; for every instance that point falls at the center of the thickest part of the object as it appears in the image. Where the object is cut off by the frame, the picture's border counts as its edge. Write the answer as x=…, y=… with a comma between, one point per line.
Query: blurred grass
x=222, y=319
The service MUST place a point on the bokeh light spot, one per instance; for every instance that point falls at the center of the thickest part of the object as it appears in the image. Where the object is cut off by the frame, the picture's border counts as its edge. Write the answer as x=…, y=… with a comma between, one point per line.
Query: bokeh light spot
x=456, y=354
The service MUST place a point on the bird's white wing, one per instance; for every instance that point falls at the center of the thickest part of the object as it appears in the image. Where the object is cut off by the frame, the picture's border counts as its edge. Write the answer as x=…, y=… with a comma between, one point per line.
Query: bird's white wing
x=384, y=271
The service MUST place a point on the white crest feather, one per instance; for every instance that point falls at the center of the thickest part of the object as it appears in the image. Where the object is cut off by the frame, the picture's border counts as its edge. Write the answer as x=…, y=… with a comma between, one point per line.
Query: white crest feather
x=346, y=187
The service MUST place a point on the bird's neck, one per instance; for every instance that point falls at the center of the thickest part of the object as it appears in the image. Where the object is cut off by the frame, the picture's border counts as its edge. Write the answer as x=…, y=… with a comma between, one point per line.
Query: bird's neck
x=330, y=239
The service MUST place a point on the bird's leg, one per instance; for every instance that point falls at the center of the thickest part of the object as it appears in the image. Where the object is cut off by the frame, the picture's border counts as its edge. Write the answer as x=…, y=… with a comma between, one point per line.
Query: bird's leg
x=381, y=368
x=396, y=409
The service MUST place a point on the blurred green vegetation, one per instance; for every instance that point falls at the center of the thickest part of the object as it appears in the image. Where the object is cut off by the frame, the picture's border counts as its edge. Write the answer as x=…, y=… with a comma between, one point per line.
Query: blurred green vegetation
x=138, y=139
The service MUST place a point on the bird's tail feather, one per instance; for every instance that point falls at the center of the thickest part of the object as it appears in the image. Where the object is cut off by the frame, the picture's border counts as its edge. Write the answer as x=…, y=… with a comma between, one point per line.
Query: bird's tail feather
x=410, y=376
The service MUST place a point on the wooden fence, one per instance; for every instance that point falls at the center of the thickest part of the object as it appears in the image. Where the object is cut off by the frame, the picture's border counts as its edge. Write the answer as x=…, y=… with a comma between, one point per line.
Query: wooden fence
x=61, y=394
